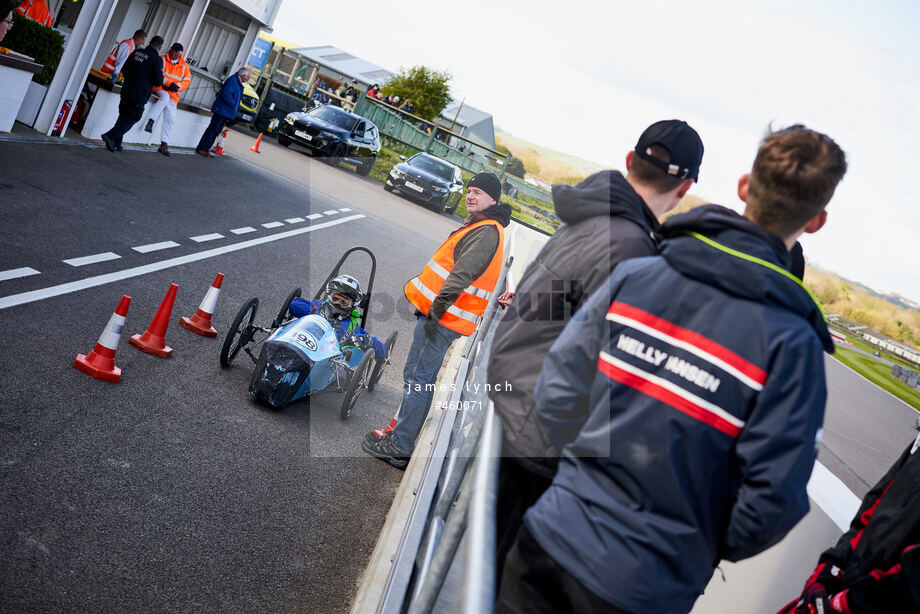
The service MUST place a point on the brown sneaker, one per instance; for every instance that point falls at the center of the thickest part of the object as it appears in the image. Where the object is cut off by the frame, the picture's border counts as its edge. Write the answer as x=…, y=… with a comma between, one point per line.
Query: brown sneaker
x=163, y=149
x=204, y=153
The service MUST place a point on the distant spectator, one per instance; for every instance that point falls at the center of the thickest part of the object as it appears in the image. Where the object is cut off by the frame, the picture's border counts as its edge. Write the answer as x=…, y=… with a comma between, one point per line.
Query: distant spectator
x=143, y=71
x=36, y=10
x=406, y=106
x=224, y=109
x=6, y=11
x=374, y=91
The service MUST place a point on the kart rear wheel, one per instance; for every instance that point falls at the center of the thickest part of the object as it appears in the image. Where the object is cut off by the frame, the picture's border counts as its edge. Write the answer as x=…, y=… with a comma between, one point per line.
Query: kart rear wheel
x=295, y=293
x=356, y=385
x=240, y=332
x=380, y=364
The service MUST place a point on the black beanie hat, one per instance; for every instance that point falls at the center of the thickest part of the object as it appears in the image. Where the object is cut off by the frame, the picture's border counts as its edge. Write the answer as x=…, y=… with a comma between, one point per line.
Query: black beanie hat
x=488, y=183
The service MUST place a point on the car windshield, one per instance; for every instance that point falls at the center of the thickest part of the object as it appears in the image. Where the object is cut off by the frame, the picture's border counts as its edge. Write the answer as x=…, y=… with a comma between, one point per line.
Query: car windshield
x=433, y=166
x=333, y=116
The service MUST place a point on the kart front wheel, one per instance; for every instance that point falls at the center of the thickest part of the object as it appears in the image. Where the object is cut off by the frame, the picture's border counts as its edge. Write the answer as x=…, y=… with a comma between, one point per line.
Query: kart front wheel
x=282, y=313
x=380, y=364
x=240, y=333
x=356, y=385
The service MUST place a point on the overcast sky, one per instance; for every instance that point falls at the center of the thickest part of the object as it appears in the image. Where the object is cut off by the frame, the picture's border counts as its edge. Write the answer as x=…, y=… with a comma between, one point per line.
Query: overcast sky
x=587, y=77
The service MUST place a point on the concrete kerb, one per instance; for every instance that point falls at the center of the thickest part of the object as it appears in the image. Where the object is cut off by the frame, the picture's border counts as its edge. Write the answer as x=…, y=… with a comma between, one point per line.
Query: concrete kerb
x=373, y=581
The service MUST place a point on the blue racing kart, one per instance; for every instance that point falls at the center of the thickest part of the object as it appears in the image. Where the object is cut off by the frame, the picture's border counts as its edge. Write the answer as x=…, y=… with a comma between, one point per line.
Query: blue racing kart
x=303, y=356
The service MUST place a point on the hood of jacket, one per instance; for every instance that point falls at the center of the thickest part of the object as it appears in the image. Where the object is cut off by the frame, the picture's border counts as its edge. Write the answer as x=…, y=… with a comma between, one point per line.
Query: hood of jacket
x=500, y=212
x=723, y=249
x=603, y=193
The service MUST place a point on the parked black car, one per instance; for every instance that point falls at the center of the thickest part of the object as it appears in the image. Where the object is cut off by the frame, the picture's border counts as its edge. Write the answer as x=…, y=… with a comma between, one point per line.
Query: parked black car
x=428, y=179
x=332, y=132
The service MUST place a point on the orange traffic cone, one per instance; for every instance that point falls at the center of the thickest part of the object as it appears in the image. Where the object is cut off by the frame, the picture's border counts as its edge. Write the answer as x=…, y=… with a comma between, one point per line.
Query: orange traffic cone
x=100, y=363
x=255, y=147
x=153, y=341
x=200, y=322
x=219, y=147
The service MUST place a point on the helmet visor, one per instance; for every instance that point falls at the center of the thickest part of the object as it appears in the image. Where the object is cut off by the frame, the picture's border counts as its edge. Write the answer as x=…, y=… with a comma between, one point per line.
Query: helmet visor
x=341, y=301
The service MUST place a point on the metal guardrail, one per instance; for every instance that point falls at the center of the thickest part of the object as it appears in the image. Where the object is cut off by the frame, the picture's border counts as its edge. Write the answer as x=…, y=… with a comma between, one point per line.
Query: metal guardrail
x=451, y=501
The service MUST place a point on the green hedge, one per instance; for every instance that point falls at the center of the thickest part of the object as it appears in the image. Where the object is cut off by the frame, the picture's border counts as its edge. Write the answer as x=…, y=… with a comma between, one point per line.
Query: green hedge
x=44, y=44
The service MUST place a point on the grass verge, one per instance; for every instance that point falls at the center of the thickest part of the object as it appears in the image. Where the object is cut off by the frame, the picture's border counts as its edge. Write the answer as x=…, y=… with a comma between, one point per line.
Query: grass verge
x=879, y=374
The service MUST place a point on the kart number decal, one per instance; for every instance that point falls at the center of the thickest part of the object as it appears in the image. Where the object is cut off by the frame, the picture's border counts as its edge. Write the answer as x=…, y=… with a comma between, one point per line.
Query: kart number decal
x=305, y=340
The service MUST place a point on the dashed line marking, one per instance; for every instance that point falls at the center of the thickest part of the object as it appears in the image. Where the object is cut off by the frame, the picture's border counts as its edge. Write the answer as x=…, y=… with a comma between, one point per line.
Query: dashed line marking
x=154, y=247
x=272, y=224
x=344, y=209
x=294, y=220
x=243, y=230
x=84, y=260
x=330, y=212
x=314, y=216
x=98, y=280
x=16, y=273
x=209, y=237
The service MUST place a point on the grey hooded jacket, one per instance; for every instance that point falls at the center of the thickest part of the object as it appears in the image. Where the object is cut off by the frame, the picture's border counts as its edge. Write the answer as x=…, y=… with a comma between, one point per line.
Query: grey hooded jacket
x=606, y=222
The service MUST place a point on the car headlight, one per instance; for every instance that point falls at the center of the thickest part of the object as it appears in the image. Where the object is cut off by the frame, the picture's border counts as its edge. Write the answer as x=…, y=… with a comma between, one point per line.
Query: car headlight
x=438, y=188
x=328, y=135
x=396, y=172
x=289, y=119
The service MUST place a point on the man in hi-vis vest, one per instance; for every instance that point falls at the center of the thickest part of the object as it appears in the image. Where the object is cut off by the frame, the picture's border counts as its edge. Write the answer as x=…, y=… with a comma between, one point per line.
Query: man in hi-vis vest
x=176, y=79
x=450, y=295
x=121, y=51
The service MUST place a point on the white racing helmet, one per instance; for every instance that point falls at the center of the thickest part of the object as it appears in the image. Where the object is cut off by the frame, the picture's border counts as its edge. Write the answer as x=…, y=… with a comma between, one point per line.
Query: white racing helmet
x=342, y=295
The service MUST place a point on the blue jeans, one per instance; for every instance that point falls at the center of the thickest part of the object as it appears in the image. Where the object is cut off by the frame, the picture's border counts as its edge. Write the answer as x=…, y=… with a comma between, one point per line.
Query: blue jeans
x=419, y=375
x=212, y=132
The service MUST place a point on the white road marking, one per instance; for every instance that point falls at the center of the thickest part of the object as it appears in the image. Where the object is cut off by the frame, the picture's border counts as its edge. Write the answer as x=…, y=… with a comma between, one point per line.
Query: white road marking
x=273, y=224
x=243, y=230
x=99, y=280
x=14, y=273
x=314, y=216
x=84, y=260
x=330, y=212
x=344, y=209
x=210, y=237
x=294, y=220
x=153, y=247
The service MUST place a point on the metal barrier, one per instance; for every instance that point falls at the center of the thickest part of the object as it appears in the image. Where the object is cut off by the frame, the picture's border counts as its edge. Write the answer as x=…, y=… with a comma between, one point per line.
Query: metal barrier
x=452, y=501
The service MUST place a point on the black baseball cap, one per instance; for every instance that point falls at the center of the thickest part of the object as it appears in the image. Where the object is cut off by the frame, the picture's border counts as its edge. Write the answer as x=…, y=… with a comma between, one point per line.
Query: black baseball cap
x=681, y=141
x=176, y=47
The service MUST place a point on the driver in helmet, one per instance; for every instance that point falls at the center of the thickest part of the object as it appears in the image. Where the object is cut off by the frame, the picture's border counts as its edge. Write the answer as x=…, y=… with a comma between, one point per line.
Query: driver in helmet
x=339, y=306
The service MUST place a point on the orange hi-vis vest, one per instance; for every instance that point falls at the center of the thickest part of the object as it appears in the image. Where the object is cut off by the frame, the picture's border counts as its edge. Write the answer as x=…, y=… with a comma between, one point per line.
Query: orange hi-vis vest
x=175, y=73
x=36, y=10
x=109, y=66
x=466, y=312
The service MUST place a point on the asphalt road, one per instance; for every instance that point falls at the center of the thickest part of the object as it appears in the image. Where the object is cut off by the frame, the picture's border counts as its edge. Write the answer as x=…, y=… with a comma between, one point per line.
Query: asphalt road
x=172, y=491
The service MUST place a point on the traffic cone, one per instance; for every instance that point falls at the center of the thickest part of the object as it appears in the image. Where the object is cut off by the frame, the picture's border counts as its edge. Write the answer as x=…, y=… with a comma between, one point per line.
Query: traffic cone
x=255, y=147
x=389, y=428
x=100, y=363
x=200, y=322
x=153, y=340
x=219, y=148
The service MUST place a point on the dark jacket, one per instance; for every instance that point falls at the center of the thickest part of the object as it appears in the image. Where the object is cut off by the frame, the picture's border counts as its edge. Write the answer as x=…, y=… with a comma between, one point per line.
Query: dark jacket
x=143, y=70
x=686, y=397
x=228, y=99
x=606, y=222
x=472, y=255
x=881, y=574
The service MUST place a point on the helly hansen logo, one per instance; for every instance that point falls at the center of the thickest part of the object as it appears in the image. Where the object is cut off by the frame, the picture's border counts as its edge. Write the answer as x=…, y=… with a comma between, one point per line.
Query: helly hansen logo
x=681, y=367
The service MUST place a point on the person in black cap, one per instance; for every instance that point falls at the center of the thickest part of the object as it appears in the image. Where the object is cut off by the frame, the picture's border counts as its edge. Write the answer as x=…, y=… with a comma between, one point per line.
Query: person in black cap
x=450, y=296
x=143, y=70
x=608, y=218
x=685, y=397
x=176, y=79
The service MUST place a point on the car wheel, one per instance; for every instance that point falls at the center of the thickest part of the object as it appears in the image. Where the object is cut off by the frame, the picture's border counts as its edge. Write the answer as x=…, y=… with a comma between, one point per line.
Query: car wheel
x=365, y=169
x=388, y=188
x=338, y=154
x=283, y=140
x=240, y=333
x=356, y=384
